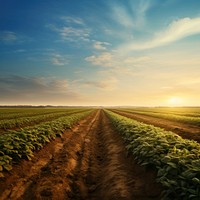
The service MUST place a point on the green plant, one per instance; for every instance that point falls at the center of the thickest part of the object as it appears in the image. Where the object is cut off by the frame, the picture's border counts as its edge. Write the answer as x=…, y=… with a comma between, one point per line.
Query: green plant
x=177, y=160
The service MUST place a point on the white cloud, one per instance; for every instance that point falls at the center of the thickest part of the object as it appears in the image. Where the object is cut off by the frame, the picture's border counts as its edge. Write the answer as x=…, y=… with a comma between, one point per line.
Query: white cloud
x=132, y=16
x=114, y=60
x=140, y=10
x=105, y=59
x=177, y=30
x=121, y=15
x=73, y=20
x=58, y=59
x=74, y=34
x=100, y=45
x=73, y=30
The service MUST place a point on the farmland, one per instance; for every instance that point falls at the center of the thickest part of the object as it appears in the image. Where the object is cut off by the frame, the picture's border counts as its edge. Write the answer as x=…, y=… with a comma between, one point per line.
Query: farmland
x=183, y=121
x=79, y=153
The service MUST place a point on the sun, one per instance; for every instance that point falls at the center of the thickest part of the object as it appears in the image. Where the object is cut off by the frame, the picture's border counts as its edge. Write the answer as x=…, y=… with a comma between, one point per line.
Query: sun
x=175, y=101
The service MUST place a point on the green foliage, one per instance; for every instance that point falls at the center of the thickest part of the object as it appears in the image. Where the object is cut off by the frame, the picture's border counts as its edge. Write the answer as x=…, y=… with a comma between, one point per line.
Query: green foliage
x=22, y=119
x=189, y=118
x=5, y=163
x=16, y=145
x=176, y=159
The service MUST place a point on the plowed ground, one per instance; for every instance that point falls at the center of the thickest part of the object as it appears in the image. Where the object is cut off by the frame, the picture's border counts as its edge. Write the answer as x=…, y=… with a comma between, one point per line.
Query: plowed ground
x=186, y=131
x=87, y=162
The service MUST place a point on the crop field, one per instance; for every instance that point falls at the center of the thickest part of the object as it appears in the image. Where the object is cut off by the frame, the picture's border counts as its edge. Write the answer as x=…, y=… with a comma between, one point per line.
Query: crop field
x=90, y=153
x=184, y=121
x=185, y=115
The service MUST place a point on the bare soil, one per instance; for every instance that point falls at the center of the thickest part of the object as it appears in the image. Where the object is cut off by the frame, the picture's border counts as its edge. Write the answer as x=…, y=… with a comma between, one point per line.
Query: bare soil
x=33, y=123
x=184, y=130
x=88, y=162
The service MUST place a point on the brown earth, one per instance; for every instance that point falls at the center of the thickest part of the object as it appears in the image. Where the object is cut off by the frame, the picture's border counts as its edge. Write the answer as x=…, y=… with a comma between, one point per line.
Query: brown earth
x=184, y=130
x=87, y=162
x=34, y=123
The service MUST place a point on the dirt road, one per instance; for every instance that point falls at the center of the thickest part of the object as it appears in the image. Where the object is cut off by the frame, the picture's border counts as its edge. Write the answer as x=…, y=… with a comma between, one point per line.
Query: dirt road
x=88, y=162
x=186, y=131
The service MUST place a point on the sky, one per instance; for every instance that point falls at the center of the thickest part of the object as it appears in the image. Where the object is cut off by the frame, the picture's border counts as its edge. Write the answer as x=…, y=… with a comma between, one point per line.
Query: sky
x=100, y=52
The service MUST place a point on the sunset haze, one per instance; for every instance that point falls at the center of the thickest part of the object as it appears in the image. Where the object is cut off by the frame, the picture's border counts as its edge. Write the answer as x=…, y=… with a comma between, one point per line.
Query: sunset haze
x=128, y=53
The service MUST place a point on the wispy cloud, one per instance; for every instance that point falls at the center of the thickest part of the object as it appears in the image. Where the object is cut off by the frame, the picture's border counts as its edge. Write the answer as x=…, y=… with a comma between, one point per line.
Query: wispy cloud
x=48, y=56
x=73, y=34
x=32, y=90
x=114, y=60
x=131, y=15
x=121, y=15
x=35, y=84
x=20, y=51
x=58, y=59
x=11, y=37
x=137, y=60
x=8, y=37
x=110, y=83
x=73, y=20
x=177, y=30
x=140, y=12
x=72, y=30
x=105, y=59
x=101, y=45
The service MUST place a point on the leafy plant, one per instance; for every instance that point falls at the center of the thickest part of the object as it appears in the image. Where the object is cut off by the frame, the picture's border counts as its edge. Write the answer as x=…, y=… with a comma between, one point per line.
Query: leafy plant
x=16, y=145
x=177, y=160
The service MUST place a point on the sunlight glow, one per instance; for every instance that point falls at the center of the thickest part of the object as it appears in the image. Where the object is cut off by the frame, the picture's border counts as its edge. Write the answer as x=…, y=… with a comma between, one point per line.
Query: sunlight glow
x=175, y=101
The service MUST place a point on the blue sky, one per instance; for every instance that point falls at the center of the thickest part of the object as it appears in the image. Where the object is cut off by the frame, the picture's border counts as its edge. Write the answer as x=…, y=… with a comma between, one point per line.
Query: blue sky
x=122, y=52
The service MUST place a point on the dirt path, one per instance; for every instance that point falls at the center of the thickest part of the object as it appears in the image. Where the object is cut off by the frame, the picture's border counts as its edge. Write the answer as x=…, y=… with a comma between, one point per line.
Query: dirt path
x=184, y=130
x=88, y=162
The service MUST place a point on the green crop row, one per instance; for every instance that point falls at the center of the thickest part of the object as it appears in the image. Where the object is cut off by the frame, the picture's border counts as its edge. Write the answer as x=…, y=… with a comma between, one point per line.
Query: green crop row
x=20, y=112
x=183, y=111
x=13, y=113
x=177, y=160
x=173, y=117
x=26, y=121
x=22, y=144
